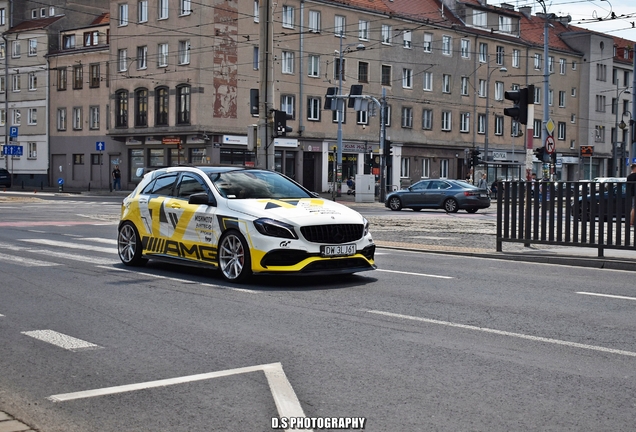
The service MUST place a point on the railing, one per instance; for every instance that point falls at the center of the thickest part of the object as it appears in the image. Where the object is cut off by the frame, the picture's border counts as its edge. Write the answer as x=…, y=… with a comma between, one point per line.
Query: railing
x=575, y=214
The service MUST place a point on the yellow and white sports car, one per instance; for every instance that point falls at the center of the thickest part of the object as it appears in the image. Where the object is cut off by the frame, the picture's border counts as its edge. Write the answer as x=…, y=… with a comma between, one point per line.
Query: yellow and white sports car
x=242, y=222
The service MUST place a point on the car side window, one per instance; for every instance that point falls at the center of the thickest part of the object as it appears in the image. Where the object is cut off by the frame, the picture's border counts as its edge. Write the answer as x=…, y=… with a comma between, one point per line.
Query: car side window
x=164, y=185
x=419, y=186
x=189, y=184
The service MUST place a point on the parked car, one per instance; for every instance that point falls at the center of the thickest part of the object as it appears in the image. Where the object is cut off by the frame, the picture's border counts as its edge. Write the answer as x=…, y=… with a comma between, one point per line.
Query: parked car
x=450, y=195
x=242, y=222
x=5, y=178
x=614, y=200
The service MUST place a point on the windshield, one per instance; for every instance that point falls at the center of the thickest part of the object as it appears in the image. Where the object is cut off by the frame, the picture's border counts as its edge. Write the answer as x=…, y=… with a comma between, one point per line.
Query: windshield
x=256, y=184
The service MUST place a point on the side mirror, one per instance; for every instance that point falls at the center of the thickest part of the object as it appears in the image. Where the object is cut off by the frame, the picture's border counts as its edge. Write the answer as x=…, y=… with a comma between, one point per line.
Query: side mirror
x=201, y=198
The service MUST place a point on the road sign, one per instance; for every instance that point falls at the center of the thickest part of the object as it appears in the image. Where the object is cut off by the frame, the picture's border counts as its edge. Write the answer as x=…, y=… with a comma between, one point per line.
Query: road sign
x=12, y=150
x=60, y=181
x=13, y=131
x=550, y=146
x=587, y=151
x=549, y=126
x=100, y=146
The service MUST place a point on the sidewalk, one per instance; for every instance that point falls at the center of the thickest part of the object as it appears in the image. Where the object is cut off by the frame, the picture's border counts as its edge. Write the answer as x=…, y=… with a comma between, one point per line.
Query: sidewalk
x=10, y=424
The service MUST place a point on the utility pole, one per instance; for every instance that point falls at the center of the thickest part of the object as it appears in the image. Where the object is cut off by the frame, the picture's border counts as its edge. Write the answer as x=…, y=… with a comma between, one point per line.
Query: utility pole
x=265, y=143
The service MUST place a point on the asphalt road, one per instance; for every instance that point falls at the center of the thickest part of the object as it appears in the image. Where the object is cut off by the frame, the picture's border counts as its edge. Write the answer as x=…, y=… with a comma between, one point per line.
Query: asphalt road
x=426, y=342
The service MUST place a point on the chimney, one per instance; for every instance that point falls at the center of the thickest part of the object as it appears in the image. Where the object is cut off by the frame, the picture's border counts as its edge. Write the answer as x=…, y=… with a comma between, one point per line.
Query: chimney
x=526, y=11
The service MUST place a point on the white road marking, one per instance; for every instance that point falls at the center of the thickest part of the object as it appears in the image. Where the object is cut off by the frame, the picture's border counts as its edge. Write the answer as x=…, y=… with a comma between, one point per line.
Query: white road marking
x=607, y=295
x=287, y=402
x=26, y=261
x=69, y=245
x=185, y=281
x=505, y=333
x=59, y=339
x=415, y=274
x=99, y=240
x=50, y=253
x=1, y=315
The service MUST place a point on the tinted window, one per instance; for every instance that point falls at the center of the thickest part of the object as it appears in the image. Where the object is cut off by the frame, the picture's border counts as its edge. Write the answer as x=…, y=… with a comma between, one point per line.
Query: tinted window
x=420, y=186
x=189, y=185
x=256, y=184
x=163, y=185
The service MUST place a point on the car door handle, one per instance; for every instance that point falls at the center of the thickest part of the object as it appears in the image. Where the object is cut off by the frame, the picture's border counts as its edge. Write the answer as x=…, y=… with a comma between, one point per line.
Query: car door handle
x=175, y=205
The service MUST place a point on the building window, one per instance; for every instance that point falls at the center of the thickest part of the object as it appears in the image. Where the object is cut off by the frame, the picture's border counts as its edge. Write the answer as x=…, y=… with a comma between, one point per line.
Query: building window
x=77, y=118
x=313, y=108
x=287, y=62
x=96, y=159
x=313, y=69
x=17, y=117
x=17, y=84
x=123, y=15
x=499, y=55
x=427, y=119
x=68, y=41
x=443, y=168
x=405, y=168
x=386, y=75
x=446, y=120
x=426, y=168
x=141, y=107
x=340, y=23
x=428, y=81
x=406, y=39
x=562, y=99
x=363, y=72
x=256, y=11
x=78, y=159
x=562, y=63
x=162, y=55
x=483, y=52
x=91, y=38
x=288, y=104
x=163, y=9
x=122, y=60
x=465, y=48
x=78, y=77
x=314, y=21
x=601, y=72
x=142, y=57
x=93, y=120
x=551, y=64
x=499, y=123
x=142, y=11
x=561, y=131
x=184, y=52
x=362, y=117
x=480, y=18
x=3, y=17
x=516, y=56
x=599, y=135
x=3, y=51
x=33, y=47
x=61, y=119
x=255, y=60
x=536, y=132
x=183, y=104
x=387, y=116
x=32, y=116
x=3, y=84
x=336, y=114
x=288, y=16
x=121, y=108
x=481, y=123
x=407, y=78
x=407, y=117
x=33, y=81
x=387, y=36
x=465, y=83
x=428, y=42
x=573, y=118
x=505, y=24
x=446, y=83
x=447, y=45
x=185, y=8
x=161, y=106
x=538, y=61
x=464, y=122
x=32, y=149
x=499, y=90
x=537, y=95
x=16, y=49
x=600, y=103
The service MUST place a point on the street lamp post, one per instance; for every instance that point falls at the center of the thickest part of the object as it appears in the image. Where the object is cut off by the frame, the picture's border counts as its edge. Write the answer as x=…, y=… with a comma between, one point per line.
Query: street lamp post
x=624, y=126
x=341, y=105
x=486, y=131
x=615, y=166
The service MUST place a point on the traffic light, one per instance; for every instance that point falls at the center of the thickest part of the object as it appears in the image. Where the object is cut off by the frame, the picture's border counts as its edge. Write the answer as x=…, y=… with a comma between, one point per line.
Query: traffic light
x=254, y=101
x=356, y=90
x=280, y=124
x=540, y=153
x=519, y=111
x=475, y=156
x=331, y=103
x=388, y=153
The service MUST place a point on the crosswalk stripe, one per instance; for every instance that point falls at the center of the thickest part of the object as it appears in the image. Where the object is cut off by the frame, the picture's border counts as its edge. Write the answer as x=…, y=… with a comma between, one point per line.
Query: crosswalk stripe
x=60, y=339
x=98, y=240
x=70, y=245
x=30, y=262
x=52, y=253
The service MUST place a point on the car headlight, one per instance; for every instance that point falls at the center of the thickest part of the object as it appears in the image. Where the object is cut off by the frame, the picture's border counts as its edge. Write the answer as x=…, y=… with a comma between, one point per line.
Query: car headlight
x=274, y=228
x=366, y=227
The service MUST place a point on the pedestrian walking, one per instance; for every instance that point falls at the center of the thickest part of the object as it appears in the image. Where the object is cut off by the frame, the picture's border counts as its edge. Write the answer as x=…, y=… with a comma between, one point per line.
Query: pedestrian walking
x=482, y=183
x=632, y=178
x=116, y=178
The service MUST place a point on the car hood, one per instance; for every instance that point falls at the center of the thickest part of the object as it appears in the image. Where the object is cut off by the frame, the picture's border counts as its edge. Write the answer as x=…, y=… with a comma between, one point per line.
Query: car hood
x=304, y=211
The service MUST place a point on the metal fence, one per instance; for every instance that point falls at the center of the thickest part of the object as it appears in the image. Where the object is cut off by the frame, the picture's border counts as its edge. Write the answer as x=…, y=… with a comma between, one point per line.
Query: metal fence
x=576, y=214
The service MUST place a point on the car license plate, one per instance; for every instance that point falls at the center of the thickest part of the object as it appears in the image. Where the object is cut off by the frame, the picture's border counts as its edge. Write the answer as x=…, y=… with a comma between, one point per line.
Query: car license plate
x=338, y=250
x=483, y=195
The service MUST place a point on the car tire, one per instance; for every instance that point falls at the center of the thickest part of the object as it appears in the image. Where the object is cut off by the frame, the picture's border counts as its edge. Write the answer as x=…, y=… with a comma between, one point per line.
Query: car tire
x=471, y=210
x=451, y=206
x=395, y=203
x=129, y=247
x=234, y=258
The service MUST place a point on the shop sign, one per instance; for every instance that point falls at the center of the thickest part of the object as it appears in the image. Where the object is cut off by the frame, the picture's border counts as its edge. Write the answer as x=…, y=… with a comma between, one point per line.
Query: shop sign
x=355, y=148
x=499, y=155
x=235, y=139
x=171, y=140
x=285, y=142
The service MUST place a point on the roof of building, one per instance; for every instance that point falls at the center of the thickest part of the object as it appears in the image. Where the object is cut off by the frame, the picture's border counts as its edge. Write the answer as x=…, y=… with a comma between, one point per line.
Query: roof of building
x=36, y=24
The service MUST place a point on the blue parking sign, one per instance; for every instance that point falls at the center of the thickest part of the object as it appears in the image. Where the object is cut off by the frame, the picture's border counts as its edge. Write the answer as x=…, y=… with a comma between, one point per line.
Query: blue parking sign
x=13, y=131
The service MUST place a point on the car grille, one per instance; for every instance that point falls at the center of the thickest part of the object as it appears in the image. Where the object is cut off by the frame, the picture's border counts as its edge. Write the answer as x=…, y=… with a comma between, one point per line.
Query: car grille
x=333, y=234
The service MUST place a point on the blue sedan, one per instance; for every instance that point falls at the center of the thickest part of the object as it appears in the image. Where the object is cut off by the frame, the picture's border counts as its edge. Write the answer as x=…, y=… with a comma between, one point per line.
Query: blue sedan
x=450, y=195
